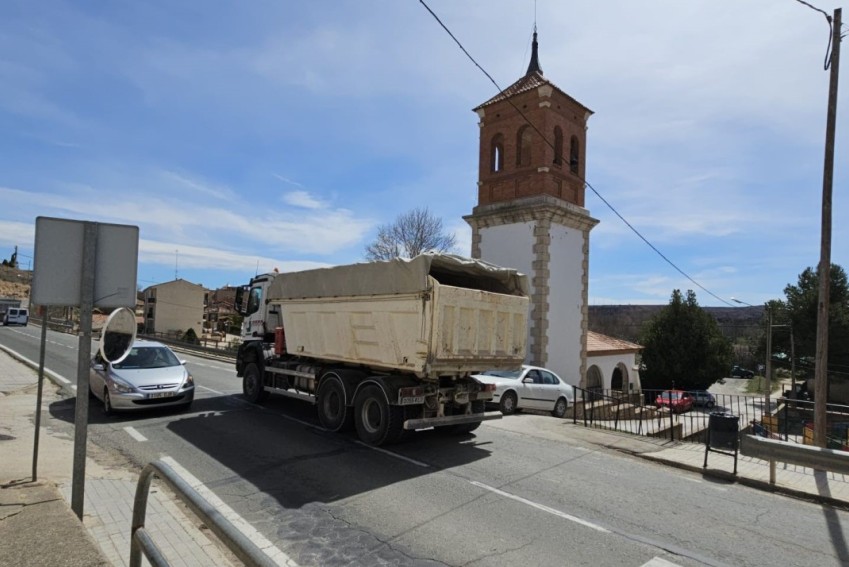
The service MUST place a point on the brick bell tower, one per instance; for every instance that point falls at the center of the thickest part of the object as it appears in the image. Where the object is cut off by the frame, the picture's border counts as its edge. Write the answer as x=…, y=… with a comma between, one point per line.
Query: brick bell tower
x=530, y=213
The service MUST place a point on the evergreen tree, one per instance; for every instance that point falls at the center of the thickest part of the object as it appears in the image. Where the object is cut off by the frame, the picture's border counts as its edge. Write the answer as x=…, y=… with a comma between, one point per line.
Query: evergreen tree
x=683, y=347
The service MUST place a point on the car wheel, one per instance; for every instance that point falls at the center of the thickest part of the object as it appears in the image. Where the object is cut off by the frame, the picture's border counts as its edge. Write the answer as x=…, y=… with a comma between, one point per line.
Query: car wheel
x=107, y=403
x=509, y=403
x=252, y=384
x=709, y=405
x=560, y=408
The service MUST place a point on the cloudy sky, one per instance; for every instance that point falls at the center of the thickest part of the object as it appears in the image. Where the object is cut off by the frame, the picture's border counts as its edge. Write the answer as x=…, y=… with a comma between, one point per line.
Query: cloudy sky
x=243, y=136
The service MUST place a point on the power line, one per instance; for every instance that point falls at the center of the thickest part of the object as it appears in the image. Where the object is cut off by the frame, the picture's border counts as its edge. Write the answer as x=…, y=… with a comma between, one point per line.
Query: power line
x=546, y=140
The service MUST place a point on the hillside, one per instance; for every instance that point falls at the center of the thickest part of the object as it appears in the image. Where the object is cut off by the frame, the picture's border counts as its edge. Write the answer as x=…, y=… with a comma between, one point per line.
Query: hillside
x=626, y=321
x=15, y=283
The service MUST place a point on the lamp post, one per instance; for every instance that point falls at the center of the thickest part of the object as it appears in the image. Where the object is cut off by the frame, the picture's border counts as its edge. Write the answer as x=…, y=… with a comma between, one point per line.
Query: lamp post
x=768, y=384
x=768, y=371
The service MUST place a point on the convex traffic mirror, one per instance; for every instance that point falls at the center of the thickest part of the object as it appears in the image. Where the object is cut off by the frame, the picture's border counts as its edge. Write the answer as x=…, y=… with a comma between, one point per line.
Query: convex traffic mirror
x=118, y=335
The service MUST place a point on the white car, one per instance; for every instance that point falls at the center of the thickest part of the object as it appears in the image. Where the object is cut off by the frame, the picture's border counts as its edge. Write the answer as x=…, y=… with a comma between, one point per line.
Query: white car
x=531, y=387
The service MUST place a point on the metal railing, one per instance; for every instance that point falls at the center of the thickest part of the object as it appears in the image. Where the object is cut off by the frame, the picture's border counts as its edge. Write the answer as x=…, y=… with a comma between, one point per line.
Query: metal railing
x=142, y=542
x=639, y=414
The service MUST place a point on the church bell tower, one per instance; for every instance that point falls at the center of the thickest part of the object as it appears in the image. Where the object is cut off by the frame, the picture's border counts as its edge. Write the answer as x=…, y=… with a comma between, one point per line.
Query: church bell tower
x=530, y=213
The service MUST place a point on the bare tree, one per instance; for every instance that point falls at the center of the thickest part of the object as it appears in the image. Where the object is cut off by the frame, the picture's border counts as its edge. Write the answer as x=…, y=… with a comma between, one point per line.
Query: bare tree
x=411, y=234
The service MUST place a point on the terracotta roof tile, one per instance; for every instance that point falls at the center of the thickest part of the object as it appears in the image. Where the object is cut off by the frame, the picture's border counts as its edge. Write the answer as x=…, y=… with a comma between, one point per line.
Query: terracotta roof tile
x=598, y=343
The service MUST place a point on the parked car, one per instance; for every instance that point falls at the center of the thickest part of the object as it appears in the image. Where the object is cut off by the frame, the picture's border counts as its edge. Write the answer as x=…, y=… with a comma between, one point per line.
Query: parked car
x=703, y=398
x=678, y=401
x=16, y=316
x=738, y=372
x=151, y=375
x=530, y=387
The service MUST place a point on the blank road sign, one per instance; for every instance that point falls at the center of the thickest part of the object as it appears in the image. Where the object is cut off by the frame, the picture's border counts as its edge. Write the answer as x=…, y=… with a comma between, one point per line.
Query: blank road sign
x=57, y=275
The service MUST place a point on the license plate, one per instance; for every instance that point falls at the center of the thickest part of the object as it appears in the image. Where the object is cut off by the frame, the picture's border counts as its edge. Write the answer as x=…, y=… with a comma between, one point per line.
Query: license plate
x=159, y=395
x=412, y=400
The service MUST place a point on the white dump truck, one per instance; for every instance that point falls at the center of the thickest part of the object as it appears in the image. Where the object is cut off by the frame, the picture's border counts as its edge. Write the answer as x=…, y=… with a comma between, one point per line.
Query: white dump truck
x=386, y=347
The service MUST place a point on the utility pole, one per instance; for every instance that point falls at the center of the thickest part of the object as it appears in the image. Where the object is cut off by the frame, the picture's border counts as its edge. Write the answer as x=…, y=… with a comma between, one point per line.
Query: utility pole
x=821, y=359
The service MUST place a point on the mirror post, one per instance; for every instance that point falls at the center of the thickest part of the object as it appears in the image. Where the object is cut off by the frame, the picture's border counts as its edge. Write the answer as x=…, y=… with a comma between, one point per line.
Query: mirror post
x=83, y=356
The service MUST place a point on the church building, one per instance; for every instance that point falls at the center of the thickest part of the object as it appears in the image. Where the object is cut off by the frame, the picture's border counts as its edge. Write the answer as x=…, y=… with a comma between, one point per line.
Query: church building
x=530, y=211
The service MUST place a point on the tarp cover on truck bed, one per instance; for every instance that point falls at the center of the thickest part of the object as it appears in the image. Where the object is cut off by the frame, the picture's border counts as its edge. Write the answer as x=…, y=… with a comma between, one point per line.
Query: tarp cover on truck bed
x=398, y=276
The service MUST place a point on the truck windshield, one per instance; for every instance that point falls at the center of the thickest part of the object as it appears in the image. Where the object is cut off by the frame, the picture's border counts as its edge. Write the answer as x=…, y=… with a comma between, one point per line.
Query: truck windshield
x=254, y=300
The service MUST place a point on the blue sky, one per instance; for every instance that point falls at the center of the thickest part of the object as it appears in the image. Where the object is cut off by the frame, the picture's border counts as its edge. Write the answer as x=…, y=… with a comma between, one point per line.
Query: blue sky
x=243, y=136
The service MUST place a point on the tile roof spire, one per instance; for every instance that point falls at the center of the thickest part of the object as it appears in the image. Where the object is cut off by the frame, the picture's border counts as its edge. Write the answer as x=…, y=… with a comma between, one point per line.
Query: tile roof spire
x=533, y=66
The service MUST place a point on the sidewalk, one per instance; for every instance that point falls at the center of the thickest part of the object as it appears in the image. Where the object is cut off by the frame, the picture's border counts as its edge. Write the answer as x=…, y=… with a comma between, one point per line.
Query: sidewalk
x=37, y=526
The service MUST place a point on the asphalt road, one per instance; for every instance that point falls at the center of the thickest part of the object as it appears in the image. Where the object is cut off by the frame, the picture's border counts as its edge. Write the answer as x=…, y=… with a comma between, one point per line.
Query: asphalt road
x=497, y=497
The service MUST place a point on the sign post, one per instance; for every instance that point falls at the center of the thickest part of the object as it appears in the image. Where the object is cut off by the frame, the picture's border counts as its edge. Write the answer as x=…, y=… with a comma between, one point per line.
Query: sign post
x=82, y=264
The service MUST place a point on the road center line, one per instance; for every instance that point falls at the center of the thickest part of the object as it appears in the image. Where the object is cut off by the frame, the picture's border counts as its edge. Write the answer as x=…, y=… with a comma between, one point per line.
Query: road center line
x=557, y=513
x=240, y=523
x=211, y=390
x=133, y=432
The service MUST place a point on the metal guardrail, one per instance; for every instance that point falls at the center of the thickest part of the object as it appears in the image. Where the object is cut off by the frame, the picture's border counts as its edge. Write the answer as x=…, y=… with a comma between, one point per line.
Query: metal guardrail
x=795, y=454
x=141, y=541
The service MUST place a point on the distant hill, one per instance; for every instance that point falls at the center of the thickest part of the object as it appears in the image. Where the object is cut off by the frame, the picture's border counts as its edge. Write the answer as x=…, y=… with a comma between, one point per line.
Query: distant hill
x=626, y=321
x=15, y=283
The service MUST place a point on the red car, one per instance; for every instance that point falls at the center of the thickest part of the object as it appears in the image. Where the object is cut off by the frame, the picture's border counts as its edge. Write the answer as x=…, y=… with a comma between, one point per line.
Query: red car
x=678, y=401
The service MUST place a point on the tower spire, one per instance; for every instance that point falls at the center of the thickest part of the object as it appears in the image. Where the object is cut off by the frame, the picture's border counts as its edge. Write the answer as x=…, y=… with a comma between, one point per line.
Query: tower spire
x=534, y=66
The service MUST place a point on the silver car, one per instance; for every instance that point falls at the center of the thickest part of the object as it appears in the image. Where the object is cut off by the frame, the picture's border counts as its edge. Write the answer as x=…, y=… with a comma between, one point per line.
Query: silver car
x=150, y=376
x=531, y=387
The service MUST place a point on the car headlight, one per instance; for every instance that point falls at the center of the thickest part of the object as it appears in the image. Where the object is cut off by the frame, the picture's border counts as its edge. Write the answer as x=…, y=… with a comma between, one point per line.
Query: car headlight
x=122, y=387
x=189, y=382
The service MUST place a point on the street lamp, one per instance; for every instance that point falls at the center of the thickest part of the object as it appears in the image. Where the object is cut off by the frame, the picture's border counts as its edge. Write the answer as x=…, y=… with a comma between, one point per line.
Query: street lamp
x=768, y=371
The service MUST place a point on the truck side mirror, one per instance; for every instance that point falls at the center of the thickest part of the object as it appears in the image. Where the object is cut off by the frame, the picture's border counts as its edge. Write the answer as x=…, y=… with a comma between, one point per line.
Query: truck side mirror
x=239, y=300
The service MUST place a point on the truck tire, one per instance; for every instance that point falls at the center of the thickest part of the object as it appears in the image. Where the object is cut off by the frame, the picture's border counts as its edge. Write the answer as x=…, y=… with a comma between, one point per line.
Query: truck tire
x=332, y=411
x=377, y=422
x=252, y=384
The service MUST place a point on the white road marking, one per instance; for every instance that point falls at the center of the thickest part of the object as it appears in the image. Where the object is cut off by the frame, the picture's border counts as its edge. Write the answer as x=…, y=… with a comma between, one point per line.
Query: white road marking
x=391, y=454
x=211, y=390
x=34, y=365
x=659, y=562
x=133, y=432
x=243, y=526
x=542, y=507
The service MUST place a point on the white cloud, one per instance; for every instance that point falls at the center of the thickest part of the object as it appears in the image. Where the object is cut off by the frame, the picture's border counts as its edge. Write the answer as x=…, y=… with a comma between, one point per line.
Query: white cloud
x=302, y=199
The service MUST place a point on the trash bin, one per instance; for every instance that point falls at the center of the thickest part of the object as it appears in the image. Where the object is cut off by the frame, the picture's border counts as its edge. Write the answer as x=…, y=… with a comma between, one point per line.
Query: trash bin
x=723, y=431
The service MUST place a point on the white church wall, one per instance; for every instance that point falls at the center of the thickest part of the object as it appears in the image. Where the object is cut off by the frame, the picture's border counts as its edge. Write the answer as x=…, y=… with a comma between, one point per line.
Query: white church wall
x=607, y=364
x=565, y=303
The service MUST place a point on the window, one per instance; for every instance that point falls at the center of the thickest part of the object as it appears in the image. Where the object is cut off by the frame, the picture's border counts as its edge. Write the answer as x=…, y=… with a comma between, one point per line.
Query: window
x=558, y=145
x=523, y=146
x=254, y=300
x=535, y=375
x=497, y=157
x=549, y=378
x=574, y=155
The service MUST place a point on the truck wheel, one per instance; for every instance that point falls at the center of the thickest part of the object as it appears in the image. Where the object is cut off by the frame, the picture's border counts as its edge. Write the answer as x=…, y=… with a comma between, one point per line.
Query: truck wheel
x=376, y=421
x=332, y=411
x=252, y=384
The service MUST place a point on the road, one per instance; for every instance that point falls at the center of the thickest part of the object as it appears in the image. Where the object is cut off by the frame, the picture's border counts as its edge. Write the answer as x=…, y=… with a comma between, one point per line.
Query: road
x=498, y=497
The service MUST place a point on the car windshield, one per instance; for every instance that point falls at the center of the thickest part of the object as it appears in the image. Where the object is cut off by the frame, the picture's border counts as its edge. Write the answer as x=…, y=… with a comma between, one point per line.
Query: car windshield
x=148, y=357
x=514, y=374
x=673, y=395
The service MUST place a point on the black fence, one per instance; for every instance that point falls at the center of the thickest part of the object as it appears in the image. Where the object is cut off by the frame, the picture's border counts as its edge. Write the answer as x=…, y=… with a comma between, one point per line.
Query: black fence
x=650, y=413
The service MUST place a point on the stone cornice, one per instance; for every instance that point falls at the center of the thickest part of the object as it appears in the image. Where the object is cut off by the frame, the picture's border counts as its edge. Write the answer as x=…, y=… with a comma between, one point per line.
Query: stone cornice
x=537, y=207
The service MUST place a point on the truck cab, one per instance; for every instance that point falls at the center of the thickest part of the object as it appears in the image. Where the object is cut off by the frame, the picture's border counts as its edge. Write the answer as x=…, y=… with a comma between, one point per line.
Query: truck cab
x=260, y=318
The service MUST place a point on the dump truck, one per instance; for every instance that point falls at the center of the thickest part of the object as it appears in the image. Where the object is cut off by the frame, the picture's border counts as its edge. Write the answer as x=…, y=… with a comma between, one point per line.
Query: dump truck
x=385, y=347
